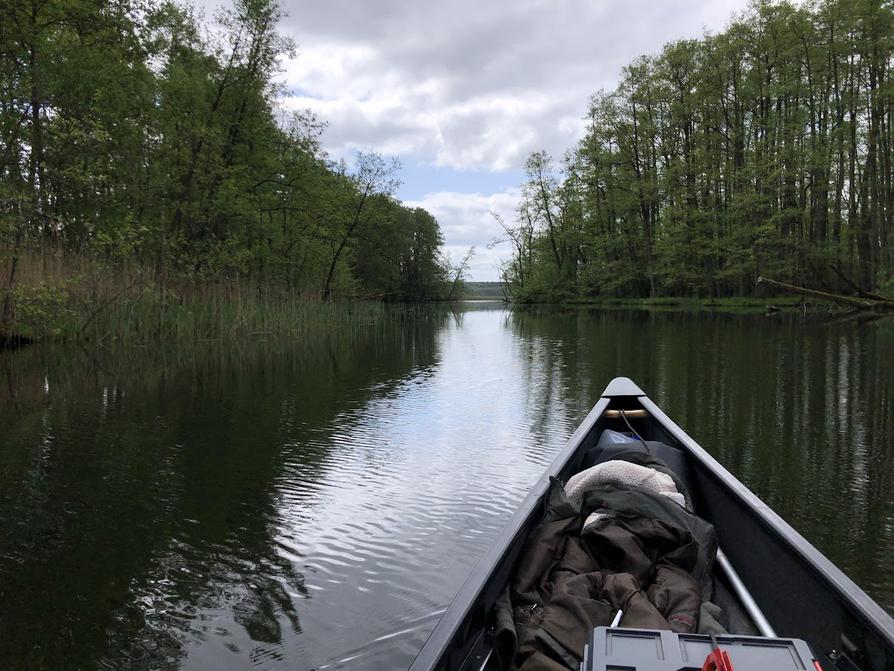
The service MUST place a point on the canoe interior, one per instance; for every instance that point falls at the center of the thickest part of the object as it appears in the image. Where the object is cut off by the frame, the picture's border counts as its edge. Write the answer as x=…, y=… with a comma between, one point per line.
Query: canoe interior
x=801, y=593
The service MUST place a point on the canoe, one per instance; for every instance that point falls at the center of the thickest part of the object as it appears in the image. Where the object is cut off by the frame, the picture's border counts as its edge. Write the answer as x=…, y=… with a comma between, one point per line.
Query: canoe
x=775, y=573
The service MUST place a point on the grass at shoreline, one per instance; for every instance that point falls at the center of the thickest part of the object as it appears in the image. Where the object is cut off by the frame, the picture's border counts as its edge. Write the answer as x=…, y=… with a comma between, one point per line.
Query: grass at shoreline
x=227, y=311
x=73, y=298
x=65, y=299
x=710, y=304
x=204, y=313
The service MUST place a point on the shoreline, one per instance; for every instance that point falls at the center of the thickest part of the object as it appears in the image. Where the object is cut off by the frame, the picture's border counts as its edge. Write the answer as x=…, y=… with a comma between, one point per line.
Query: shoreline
x=769, y=304
x=220, y=316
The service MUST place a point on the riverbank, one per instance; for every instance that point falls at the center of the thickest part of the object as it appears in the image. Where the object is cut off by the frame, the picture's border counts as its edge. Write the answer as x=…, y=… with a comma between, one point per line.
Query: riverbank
x=87, y=301
x=75, y=298
x=734, y=304
x=202, y=311
x=188, y=313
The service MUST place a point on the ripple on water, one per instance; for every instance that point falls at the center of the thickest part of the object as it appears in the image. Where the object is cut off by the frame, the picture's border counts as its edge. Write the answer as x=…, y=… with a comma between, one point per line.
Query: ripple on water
x=399, y=515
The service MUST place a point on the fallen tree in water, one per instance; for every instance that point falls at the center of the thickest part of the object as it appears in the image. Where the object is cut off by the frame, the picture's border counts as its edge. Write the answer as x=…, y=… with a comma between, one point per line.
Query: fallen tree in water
x=865, y=301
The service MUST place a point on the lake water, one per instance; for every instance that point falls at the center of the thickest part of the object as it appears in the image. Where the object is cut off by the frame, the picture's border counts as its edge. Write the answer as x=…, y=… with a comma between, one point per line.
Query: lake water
x=317, y=504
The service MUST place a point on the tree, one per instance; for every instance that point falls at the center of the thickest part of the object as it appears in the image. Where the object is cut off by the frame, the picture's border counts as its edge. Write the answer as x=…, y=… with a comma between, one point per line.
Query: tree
x=374, y=176
x=459, y=272
x=130, y=135
x=765, y=149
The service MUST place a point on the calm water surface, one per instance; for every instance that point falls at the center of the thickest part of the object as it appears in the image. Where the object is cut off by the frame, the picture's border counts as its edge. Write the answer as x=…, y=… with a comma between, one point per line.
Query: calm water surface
x=317, y=505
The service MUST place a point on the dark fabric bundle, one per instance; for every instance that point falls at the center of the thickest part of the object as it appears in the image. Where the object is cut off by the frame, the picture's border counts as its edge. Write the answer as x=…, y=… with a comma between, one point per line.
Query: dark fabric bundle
x=642, y=554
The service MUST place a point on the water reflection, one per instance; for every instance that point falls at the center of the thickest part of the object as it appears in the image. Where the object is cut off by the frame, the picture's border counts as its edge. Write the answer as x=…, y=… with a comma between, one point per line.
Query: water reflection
x=317, y=504
x=142, y=502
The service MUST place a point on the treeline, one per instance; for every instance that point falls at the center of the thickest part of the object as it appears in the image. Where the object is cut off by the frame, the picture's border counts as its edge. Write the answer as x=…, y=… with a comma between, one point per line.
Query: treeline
x=764, y=150
x=132, y=132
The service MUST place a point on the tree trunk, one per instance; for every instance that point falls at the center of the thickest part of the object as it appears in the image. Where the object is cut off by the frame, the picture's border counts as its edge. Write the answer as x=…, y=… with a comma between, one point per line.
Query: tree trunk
x=850, y=301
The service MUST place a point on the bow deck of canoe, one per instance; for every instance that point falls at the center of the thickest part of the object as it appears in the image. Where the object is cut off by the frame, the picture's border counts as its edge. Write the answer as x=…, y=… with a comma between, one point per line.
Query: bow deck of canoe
x=775, y=582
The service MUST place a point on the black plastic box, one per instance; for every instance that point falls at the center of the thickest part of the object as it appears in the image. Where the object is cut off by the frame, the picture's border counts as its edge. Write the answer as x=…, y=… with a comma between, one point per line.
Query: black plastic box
x=619, y=649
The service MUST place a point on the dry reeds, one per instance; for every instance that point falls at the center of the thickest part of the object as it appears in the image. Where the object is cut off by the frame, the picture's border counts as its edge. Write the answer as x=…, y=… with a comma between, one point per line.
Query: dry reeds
x=72, y=297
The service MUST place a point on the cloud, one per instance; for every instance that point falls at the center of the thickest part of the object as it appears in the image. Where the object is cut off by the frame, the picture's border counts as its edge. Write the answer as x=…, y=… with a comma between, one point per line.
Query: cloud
x=472, y=85
x=466, y=221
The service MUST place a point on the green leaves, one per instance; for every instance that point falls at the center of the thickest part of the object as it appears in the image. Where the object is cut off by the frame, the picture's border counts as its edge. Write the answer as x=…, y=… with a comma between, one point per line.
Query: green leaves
x=764, y=149
x=131, y=132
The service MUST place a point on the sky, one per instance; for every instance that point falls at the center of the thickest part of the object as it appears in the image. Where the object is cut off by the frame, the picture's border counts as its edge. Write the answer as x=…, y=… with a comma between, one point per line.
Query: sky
x=461, y=92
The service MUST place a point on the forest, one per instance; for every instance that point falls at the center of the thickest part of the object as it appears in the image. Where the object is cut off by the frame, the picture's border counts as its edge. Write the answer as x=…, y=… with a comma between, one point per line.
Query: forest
x=145, y=149
x=764, y=150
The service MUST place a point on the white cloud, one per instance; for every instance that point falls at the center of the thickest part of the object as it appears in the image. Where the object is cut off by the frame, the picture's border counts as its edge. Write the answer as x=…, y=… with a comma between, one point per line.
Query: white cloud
x=474, y=85
x=466, y=221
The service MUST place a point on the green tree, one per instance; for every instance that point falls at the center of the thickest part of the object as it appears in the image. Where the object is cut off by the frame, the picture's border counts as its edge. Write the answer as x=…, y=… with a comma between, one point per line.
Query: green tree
x=765, y=149
x=130, y=135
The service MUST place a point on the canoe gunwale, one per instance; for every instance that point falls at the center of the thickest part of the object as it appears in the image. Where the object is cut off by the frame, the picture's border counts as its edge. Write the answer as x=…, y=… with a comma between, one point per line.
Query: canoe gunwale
x=848, y=592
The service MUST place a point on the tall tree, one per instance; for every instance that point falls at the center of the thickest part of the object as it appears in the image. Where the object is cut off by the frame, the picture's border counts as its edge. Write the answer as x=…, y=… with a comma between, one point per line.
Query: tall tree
x=374, y=176
x=765, y=149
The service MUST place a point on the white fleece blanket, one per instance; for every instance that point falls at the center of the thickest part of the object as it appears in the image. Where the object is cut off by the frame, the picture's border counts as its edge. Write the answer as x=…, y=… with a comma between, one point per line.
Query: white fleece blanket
x=622, y=473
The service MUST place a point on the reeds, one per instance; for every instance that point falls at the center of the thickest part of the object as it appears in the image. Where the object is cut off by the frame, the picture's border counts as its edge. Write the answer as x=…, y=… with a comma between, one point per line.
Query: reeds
x=71, y=297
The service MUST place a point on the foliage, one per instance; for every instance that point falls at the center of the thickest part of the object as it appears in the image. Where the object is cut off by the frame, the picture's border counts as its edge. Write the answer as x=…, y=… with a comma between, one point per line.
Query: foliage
x=45, y=310
x=130, y=131
x=764, y=150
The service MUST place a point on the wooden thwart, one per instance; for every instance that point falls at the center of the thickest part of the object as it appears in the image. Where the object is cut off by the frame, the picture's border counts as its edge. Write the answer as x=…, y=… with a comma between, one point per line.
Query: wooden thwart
x=629, y=414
